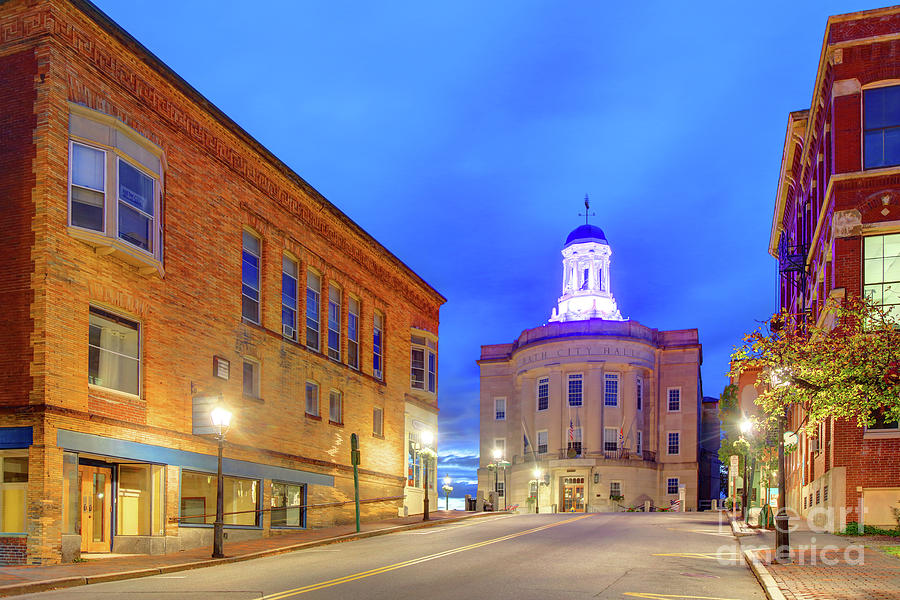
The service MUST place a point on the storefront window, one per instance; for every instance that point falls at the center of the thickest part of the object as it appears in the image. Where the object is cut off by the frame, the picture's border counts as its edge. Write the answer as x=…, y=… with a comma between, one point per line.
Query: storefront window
x=12, y=492
x=141, y=500
x=71, y=494
x=198, y=498
x=285, y=496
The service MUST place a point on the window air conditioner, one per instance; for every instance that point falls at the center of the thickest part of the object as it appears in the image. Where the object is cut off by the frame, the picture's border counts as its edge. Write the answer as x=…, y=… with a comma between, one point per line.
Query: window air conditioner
x=287, y=331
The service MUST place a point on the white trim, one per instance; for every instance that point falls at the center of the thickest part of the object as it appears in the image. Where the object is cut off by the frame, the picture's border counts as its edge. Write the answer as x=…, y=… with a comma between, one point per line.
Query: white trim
x=537, y=394
x=537, y=445
x=678, y=433
x=496, y=411
x=668, y=405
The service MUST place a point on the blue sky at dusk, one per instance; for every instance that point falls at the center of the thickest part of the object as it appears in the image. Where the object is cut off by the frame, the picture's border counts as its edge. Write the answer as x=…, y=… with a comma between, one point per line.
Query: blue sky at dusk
x=464, y=135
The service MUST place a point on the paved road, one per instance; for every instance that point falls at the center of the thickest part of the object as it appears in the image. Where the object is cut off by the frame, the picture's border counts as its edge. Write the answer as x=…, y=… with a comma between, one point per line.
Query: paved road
x=658, y=556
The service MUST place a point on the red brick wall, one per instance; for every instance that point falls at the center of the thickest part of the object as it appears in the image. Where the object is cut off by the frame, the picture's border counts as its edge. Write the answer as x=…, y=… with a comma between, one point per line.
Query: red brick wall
x=12, y=550
x=18, y=72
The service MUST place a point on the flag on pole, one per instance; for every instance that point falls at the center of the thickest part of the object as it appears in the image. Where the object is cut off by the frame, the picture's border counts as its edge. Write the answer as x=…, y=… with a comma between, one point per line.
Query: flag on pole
x=621, y=440
x=525, y=444
x=571, y=431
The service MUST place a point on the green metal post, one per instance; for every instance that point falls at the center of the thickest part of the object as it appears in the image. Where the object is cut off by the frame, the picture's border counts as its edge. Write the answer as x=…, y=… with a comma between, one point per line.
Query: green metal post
x=354, y=459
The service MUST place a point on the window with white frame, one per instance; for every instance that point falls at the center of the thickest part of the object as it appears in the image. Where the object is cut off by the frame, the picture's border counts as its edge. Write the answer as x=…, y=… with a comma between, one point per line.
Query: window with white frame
x=615, y=489
x=672, y=485
x=499, y=409
x=674, y=443
x=610, y=439
x=639, y=443
x=115, y=185
x=423, y=363
x=543, y=393
x=13, y=489
x=881, y=270
x=501, y=488
x=377, y=350
x=378, y=422
x=114, y=352
x=576, y=389
x=250, y=277
x=312, y=399
x=250, y=378
x=500, y=444
x=542, y=437
x=289, y=298
x=335, y=407
x=640, y=393
x=674, y=399
x=881, y=125
x=313, y=293
x=611, y=389
x=334, y=322
x=353, y=333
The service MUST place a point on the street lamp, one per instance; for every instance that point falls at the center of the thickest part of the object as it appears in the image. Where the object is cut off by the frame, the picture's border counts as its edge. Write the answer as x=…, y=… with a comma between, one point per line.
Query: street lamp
x=447, y=489
x=221, y=419
x=746, y=425
x=781, y=378
x=427, y=438
x=537, y=491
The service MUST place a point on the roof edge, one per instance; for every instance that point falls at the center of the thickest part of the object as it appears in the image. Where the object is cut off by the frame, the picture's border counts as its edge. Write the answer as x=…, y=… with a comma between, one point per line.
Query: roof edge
x=94, y=13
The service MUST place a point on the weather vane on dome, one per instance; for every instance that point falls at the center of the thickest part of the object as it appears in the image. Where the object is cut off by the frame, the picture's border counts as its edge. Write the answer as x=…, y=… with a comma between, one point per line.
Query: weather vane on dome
x=587, y=208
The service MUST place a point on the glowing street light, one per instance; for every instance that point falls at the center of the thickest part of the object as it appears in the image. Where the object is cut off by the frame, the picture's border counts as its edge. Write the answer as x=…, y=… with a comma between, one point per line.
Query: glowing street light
x=427, y=438
x=447, y=489
x=221, y=420
x=537, y=490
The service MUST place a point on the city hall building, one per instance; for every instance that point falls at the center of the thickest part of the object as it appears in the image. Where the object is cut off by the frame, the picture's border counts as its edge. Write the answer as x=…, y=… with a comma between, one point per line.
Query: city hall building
x=592, y=411
x=161, y=262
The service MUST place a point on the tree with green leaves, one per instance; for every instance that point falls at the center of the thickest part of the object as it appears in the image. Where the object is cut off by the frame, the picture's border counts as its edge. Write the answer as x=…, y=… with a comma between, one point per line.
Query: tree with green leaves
x=845, y=367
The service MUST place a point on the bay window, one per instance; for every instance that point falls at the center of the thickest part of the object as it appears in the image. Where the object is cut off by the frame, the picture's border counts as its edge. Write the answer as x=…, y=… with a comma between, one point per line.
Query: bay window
x=115, y=187
x=423, y=363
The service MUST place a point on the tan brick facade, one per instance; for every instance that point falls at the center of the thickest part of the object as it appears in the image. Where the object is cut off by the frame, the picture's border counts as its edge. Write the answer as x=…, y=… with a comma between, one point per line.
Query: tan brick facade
x=58, y=58
x=635, y=357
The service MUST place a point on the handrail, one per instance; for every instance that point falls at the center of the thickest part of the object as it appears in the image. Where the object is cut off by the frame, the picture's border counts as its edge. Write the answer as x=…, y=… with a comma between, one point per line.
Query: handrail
x=296, y=506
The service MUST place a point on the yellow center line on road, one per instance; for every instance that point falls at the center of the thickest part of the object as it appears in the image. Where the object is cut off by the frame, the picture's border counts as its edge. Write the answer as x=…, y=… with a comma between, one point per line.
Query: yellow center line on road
x=362, y=575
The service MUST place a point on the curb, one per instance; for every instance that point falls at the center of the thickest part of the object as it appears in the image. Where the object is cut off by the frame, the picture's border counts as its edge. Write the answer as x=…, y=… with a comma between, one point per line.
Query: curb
x=770, y=587
x=31, y=587
x=738, y=531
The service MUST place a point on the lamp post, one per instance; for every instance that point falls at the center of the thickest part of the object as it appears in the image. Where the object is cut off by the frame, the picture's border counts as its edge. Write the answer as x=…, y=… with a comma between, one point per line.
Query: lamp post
x=221, y=419
x=746, y=426
x=537, y=491
x=782, y=535
x=427, y=438
x=497, y=453
x=447, y=489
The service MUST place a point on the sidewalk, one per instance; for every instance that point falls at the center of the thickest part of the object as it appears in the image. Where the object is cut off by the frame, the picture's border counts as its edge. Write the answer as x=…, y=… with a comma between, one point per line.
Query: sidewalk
x=28, y=579
x=824, y=566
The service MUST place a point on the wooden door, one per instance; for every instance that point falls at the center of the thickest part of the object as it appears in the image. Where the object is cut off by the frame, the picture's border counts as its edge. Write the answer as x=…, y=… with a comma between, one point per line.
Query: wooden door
x=96, y=508
x=573, y=494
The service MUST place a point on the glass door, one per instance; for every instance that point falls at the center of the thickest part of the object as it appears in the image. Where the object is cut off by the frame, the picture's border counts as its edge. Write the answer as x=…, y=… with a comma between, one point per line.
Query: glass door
x=96, y=508
x=573, y=494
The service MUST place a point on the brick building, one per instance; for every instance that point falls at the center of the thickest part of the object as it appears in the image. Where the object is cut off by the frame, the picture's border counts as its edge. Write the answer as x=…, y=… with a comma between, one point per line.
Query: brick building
x=606, y=410
x=836, y=232
x=160, y=261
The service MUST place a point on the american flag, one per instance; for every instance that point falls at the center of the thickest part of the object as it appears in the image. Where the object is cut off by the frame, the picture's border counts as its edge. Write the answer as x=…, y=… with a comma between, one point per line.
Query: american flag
x=571, y=431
